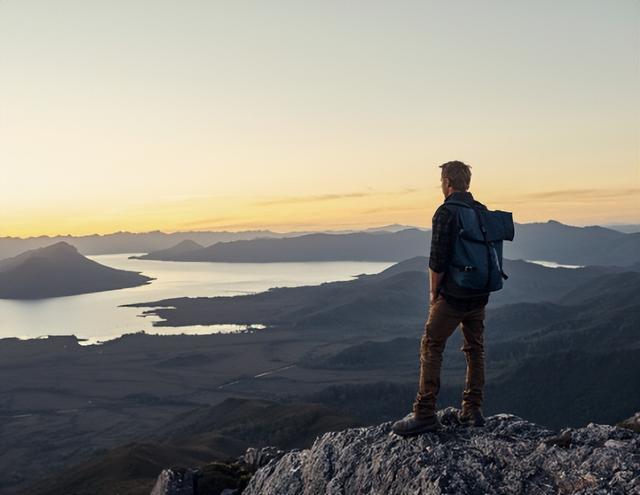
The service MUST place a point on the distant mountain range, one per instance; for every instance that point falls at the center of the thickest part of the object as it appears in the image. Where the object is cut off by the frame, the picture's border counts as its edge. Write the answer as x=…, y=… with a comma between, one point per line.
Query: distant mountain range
x=128, y=242
x=628, y=228
x=363, y=246
x=550, y=241
x=59, y=270
x=554, y=241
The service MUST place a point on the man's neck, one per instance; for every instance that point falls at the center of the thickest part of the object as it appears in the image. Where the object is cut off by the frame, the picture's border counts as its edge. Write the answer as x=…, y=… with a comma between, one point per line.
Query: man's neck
x=453, y=192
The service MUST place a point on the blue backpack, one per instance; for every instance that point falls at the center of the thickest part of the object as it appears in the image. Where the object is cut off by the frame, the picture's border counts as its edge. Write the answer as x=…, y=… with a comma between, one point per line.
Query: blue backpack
x=476, y=261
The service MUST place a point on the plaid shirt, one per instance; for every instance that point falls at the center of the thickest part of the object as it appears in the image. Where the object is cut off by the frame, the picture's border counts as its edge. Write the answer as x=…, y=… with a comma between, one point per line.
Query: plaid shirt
x=441, y=239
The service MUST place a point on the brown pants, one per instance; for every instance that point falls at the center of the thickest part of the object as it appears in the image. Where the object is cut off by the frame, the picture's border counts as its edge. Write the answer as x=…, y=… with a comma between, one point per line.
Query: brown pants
x=443, y=320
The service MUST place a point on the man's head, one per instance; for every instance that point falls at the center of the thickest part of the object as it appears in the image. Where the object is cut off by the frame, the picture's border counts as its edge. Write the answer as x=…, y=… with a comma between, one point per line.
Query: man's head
x=455, y=177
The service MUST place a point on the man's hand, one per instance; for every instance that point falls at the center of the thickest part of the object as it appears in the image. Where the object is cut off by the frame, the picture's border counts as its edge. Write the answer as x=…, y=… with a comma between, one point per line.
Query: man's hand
x=433, y=295
x=435, y=279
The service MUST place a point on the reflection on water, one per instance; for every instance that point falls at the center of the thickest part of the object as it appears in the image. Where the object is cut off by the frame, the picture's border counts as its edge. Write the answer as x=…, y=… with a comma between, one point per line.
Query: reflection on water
x=98, y=316
x=553, y=264
x=186, y=330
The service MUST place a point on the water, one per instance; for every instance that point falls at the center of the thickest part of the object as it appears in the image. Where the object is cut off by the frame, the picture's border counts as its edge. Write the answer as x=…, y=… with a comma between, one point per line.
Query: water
x=98, y=317
x=553, y=264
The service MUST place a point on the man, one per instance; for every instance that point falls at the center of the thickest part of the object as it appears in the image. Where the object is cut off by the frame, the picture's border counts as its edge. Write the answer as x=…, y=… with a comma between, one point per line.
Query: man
x=450, y=305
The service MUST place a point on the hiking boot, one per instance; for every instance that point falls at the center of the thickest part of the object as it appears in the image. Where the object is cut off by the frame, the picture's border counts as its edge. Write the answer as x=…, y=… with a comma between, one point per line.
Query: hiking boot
x=472, y=417
x=412, y=425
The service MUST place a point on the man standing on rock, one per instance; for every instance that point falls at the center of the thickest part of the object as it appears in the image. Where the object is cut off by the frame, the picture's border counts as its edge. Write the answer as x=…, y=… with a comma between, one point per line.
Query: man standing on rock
x=450, y=306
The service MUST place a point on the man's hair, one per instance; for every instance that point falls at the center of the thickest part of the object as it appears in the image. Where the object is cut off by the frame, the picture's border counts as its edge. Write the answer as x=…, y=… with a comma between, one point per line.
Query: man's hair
x=458, y=173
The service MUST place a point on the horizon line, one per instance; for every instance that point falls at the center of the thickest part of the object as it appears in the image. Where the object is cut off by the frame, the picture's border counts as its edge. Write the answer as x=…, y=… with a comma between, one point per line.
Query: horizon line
x=610, y=226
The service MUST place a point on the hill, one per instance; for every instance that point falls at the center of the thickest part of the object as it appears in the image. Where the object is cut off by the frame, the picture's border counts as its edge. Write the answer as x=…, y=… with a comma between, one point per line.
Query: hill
x=59, y=270
x=396, y=295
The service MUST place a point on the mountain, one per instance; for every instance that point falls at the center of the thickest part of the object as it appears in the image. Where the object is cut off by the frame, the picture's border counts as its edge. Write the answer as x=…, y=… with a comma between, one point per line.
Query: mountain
x=508, y=456
x=566, y=244
x=361, y=246
x=59, y=270
x=396, y=227
x=183, y=248
x=550, y=241
x=626, y=228
x=128, y=242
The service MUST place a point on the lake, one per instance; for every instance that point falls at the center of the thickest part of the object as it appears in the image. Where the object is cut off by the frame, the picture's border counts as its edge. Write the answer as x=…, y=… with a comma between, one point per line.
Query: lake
x=98, y=317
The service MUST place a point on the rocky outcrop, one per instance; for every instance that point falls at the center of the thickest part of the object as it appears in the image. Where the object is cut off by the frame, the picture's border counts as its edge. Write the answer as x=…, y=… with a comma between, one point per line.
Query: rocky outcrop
x=508, y=456
x=217, y=478
x=632, y=423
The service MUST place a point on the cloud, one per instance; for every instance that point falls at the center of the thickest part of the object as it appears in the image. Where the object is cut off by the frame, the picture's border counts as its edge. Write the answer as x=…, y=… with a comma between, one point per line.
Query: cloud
x=575, y=195
x=331, y=197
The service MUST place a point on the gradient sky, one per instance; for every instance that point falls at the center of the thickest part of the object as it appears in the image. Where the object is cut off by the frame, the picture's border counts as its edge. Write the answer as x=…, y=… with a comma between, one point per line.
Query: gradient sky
x=290, y=115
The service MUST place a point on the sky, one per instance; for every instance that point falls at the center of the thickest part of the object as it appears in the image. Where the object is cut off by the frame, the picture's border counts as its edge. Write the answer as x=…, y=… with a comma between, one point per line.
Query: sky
x=299, y=115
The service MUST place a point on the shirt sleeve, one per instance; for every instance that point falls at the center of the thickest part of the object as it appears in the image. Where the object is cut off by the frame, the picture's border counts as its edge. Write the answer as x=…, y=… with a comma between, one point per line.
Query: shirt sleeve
x=440, y=240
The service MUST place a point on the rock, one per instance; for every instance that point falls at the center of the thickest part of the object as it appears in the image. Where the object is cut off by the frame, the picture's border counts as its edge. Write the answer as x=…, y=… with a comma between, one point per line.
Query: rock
x=633, y=423
x=176, y=481
x=561, y=440
x=254, y=459
x=508, y=456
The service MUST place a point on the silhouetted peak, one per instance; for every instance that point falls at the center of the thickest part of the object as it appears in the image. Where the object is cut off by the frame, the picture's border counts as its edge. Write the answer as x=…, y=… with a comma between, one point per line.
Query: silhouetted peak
x=61, y=247
x=188, y=244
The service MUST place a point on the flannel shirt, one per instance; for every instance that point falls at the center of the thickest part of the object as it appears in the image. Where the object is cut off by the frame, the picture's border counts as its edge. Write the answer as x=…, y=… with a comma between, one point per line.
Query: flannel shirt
x=441, y=239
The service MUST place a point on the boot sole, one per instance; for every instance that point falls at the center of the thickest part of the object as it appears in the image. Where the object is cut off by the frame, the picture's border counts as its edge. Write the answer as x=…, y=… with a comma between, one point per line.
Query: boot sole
x=417, y=431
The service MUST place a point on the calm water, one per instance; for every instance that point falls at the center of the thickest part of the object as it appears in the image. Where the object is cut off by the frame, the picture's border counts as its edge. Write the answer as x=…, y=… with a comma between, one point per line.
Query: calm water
x=553, y=264
x=97, y=316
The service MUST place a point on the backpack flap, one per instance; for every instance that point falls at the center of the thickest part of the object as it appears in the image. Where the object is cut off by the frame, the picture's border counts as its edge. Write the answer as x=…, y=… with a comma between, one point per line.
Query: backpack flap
x=476, y=261
x=499, y=225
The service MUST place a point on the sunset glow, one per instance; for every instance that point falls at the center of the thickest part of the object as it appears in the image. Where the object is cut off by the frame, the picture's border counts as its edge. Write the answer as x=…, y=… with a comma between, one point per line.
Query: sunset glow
x=193, y=115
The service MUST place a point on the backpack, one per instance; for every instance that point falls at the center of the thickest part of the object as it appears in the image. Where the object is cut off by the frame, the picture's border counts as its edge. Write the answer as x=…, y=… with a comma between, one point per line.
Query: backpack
x=476, y=261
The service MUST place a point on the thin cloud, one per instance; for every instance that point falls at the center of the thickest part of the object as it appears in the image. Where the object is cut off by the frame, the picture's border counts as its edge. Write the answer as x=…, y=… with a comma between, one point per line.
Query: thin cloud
x=573, y=195
x=395, y=210
x=332, y=197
